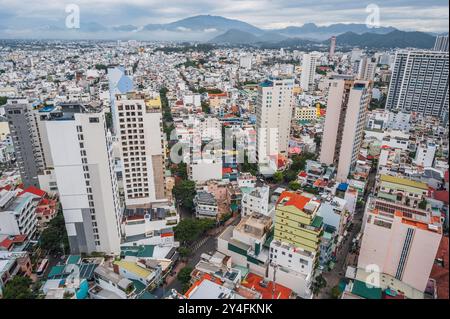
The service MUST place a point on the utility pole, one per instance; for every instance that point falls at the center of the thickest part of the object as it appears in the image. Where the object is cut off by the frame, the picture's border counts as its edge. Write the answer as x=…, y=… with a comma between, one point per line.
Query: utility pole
x=273, y=281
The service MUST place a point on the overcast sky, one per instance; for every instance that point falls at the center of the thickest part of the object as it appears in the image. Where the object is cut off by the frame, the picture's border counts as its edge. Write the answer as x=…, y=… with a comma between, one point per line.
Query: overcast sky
x=422, y=15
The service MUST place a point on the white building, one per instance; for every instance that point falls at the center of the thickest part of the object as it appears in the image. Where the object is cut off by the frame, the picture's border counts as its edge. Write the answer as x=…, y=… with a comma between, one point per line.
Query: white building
x=205, y=205
x=273, y=117
x=18, y=213
x=81, y=150
x=139, y=119
x=367, y=68
x=425, y=154
x=256, y=201
x=347, y=105
x=309, y=64
x=420, y=83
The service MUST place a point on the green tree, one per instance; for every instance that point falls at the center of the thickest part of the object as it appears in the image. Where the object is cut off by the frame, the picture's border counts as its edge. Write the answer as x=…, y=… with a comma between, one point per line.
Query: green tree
x=290, y=176
x=190, y=229
x=335, y=292
x=247, y=167
x=318, y=284
x=18, y=288
x=54, y=238
x=181, y=171
x=185, y=274
x=295, y=186
x=3, y=100
x=278, y=177
x=108, y=119
x=184, y=252
x=185, y=192
x=206, y=107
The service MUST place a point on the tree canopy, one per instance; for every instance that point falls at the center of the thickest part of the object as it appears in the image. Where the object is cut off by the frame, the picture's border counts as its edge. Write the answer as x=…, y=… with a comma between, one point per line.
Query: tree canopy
x=54, y=238
x=185, y=192
x=18, y=288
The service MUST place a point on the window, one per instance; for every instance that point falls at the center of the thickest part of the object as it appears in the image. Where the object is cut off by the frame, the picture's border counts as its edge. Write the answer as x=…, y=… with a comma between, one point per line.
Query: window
x=94, y=120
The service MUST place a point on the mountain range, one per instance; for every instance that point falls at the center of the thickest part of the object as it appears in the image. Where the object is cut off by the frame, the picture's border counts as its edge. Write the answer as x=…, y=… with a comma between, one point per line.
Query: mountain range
x=221, y=30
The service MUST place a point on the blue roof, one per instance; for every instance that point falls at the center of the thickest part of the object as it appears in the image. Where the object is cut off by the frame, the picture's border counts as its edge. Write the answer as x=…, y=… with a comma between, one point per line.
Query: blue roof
x=47, y=108
x=343, y=187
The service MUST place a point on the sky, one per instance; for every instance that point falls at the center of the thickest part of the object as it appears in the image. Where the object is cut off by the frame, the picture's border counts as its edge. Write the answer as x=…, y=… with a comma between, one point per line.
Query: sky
x=421, y=15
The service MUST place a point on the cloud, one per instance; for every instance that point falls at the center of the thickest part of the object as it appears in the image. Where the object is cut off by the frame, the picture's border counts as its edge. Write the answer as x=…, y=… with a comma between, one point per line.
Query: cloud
x=429, y=15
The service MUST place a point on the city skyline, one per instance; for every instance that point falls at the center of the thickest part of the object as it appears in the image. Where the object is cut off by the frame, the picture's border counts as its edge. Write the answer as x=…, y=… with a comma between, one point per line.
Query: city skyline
x=430, y=16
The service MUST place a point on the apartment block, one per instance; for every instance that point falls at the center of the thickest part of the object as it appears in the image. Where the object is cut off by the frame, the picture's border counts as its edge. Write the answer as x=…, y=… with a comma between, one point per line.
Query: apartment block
x=420, y=83
x=139, y=119
x=81, y=149
x=348, y=101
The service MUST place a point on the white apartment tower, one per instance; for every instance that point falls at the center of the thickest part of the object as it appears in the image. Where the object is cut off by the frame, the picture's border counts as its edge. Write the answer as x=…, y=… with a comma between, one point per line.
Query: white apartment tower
x=367, y=68
x=348, y=101
x=309, y=64
x=81, y=150
x=139, y=119
x=441, y=43
x=273, y=117
x=332, y=47
x=420, y=83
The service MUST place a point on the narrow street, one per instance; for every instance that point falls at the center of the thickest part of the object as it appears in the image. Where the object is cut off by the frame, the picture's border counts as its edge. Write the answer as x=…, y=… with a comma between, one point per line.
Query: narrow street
x=338, y=272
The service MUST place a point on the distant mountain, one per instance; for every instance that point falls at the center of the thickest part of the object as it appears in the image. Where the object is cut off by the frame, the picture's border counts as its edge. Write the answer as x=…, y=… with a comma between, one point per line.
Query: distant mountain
x=394, y=39
x=206, y=23
x=202, y=28
x=311, y=30
x=125, y=28
x=234, y=36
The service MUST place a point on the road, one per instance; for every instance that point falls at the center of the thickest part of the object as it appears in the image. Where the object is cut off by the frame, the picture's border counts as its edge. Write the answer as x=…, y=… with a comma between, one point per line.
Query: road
x=206, y=244
x=334, y=276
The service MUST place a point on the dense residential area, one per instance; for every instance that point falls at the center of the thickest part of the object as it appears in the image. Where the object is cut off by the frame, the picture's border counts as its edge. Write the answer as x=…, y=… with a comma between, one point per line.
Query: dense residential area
x=136, y=169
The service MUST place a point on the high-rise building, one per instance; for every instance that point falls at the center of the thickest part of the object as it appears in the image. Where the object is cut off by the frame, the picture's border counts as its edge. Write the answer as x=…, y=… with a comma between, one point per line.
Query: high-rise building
x=420, y=83
x=139, y=118
x=273, y=117
x=441, y=43
x=332, y=47
x=81, y=150
x=294, y=251
x=25, y=140
x=401, y=237
x=309, y=64
x=367, y=68
x=348, y=101
x=119, y=83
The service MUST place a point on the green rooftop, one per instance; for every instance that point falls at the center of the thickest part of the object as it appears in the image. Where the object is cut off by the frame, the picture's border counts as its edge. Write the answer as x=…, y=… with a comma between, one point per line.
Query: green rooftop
x=73, y=259
x=317, y=222
x=361, y=289
x=144, y=251
x=56, y=271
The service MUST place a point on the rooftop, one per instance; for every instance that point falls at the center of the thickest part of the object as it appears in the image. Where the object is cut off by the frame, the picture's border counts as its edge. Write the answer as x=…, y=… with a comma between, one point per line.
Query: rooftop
x=403, y=181
x=253, y=281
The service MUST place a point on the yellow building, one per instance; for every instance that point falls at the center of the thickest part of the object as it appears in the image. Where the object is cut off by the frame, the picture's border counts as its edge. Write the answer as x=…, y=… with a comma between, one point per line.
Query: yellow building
x=4, y=130
x=297, y=222
x=305, y=114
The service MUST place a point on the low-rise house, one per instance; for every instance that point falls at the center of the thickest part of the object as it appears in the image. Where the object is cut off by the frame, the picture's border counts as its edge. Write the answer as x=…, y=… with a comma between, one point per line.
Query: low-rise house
x=205, y=205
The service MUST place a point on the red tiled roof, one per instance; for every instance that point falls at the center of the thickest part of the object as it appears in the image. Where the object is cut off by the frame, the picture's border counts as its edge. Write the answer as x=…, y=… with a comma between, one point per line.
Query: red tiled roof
x=198, y=282
x=253, y=282
x=8, y=241
x=34, y=190
x=294, y=199
x=302, y=174
x=227, y=170
x=439, y=273
x=441, y=196
x=446, y=176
